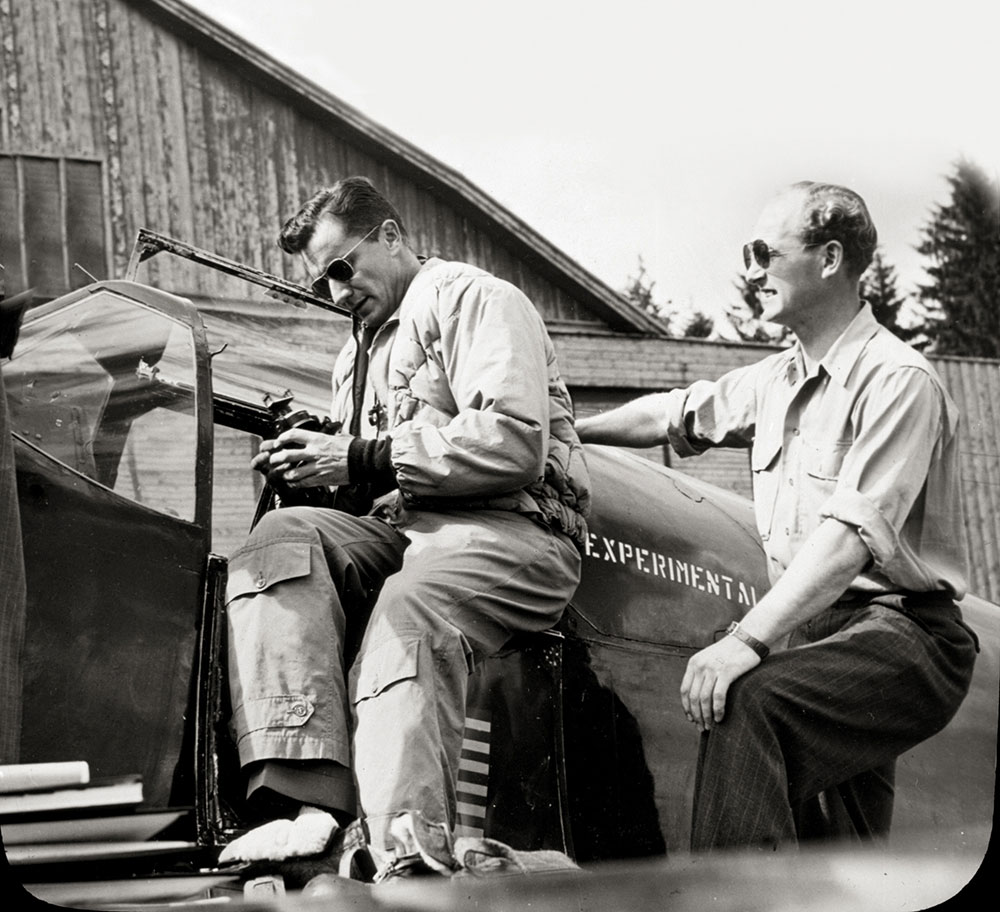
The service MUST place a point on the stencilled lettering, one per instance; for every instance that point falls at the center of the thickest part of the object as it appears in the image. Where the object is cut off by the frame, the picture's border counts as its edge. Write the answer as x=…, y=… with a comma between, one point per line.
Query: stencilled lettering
x=711, y=582
x=669, y=568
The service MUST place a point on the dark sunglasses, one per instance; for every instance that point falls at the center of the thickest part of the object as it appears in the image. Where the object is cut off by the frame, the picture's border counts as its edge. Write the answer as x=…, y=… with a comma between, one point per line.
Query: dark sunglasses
x=338, y=269
x=760, y=253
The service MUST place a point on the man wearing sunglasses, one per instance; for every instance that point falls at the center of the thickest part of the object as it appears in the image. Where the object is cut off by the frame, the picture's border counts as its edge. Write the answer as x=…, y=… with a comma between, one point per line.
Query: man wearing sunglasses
x=854, y=452
x=352, y=636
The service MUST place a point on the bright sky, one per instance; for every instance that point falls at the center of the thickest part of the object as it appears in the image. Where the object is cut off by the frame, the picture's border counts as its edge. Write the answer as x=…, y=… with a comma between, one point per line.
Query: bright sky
x=635, y=128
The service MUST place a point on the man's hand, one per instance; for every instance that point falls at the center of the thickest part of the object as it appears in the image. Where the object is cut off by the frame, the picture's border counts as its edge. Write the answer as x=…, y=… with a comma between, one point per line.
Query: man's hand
x=708, y=677
x=304, y=459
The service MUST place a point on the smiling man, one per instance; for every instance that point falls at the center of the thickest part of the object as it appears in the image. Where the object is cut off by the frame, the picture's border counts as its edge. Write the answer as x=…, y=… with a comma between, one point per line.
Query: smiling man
x=854, y=452
x=461, y=496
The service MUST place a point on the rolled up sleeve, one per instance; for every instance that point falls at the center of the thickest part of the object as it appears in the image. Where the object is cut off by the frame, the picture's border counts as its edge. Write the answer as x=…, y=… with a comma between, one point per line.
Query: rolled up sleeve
x=714, y=414
x=897, y=434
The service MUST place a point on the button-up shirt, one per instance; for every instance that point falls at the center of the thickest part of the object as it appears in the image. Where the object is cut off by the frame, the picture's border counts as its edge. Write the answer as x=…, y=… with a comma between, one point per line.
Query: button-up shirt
x=867, y=436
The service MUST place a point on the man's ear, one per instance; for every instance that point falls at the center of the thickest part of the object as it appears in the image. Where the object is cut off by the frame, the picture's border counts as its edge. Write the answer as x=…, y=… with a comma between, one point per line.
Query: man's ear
x=391, y=234
x=833, y=258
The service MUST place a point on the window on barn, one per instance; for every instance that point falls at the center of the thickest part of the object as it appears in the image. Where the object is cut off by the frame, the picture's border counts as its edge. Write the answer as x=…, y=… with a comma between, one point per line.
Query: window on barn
x=52, y=224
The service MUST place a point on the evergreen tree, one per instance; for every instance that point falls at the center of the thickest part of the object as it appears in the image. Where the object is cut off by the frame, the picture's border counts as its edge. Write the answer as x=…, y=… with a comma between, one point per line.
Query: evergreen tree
x=639, y=291
x=962, y=241
x=700, y=326
x=878, y=288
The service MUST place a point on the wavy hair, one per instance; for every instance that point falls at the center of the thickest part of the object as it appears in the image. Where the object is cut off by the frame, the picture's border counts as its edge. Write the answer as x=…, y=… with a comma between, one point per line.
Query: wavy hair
x=834, y=213
x=352, y=200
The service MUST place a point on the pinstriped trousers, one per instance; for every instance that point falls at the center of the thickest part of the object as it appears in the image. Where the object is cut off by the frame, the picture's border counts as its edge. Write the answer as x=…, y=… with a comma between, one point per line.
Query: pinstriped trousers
x=860, y=684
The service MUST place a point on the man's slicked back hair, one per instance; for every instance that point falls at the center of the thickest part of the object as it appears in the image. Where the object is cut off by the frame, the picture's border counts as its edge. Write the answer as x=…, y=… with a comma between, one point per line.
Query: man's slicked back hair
x=352, y=200
x=834, y=213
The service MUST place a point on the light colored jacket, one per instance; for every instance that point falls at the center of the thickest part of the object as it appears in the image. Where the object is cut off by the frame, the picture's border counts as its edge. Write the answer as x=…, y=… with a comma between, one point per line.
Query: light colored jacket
x=477, y=410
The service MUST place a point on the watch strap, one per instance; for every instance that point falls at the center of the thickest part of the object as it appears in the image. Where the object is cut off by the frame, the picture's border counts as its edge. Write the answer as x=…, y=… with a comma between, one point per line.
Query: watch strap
x=756, y=645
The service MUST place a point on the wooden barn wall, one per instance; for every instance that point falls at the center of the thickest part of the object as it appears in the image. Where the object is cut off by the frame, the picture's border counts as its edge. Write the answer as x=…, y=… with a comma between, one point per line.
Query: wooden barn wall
x=974, y=384
x=195, y=151
x=192, y=149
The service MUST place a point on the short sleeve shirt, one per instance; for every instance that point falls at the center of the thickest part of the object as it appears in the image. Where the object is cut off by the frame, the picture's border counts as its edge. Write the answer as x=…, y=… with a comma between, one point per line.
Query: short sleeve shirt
x=867, y=437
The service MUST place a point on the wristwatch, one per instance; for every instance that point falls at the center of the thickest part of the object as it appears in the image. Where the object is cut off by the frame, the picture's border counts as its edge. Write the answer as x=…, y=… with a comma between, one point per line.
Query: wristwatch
x=756, y=645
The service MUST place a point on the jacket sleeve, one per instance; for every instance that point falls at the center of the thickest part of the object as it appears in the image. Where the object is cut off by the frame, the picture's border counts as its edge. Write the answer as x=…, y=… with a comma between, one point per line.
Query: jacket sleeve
x=340, y=382
x=471, y=388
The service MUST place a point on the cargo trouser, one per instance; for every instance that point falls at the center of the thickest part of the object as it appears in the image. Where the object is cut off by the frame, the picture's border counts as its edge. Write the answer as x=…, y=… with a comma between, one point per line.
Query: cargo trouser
x=862, y=684
x=444, y=589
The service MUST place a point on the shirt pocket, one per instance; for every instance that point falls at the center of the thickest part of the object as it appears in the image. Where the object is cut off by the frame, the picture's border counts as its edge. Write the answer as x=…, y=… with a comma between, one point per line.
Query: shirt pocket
x=380, y=668
x=258, y=569
x=824, y=462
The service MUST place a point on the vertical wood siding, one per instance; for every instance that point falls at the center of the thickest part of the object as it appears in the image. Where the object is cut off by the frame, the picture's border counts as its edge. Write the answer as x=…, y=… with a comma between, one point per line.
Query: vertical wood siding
x=975, y=386
x=196, y=150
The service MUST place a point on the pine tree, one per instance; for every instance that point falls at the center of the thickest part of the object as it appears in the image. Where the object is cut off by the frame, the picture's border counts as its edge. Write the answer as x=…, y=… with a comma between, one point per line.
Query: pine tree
x=700, y=326
x=639, y=291
x=878, y=288
x=962, y=240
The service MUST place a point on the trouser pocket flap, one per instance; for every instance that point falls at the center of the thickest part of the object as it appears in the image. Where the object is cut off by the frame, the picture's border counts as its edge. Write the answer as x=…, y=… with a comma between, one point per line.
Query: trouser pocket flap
x=382, y=666
x=257, y=569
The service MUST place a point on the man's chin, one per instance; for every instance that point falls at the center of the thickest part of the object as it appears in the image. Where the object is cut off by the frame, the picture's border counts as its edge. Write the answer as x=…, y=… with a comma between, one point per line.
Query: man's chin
x=771, y=312
x=362, y=311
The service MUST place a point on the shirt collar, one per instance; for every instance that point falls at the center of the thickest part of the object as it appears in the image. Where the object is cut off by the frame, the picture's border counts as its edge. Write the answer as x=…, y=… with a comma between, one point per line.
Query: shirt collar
x=839, y=361
x=795, y=365
x=420, y=280
x=426, y=265
x=358, y=327
x=841, y=357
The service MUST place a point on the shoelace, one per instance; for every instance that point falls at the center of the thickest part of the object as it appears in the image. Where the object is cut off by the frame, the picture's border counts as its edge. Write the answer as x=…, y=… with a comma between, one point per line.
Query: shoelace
x=401, y=867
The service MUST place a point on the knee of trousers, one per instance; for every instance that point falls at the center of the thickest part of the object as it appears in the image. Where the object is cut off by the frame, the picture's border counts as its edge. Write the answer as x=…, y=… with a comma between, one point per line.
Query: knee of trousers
x=288, y=522
x=443, y=645
x=286, y=546
x=404, y=607
x=752, y=698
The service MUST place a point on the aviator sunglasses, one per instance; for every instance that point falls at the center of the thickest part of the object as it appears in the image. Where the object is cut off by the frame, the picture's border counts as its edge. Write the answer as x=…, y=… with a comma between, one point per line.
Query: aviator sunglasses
x=760, y=253
x=339, y=269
